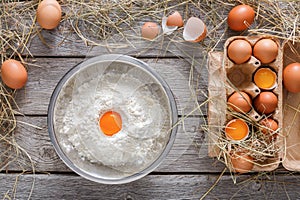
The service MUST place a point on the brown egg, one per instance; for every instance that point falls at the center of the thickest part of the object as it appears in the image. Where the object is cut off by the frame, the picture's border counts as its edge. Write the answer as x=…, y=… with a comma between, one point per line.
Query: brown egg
x=241, y=162
x=48, y=14
x=291, y=77
x=150, y=30
x=240, y=102
x=266, y=50
x=240, y=17
x=266, y=102
x=13, y=74
x=239, y=51
x=269, y=127
x=175, y=19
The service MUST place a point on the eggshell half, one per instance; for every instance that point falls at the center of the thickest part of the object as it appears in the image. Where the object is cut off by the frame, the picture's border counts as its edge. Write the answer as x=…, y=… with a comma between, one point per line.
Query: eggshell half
x=150, y=30
x=175, y=19
x=194, y=30
x=167, y=29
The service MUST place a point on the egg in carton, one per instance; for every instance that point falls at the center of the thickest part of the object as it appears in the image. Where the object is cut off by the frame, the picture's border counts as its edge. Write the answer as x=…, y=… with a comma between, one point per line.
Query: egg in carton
x=241, y=61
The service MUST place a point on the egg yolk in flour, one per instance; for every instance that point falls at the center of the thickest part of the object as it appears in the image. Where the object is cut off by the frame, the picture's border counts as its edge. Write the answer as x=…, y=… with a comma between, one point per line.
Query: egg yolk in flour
x=110, y=123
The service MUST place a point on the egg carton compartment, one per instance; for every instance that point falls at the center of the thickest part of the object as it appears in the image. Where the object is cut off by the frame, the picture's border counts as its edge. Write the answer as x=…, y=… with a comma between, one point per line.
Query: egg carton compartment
x=291, y=122
x=238, y=77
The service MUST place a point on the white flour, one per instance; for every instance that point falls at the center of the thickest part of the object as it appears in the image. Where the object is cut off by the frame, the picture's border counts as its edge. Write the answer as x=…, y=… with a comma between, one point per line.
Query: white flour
x=145, y=121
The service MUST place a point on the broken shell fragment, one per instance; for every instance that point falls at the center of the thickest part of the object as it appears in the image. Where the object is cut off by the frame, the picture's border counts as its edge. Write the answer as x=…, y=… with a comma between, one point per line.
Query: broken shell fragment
x=171, y=23
x=194, y=30
x=150, y=30
x=175, y=19
x=167, y=29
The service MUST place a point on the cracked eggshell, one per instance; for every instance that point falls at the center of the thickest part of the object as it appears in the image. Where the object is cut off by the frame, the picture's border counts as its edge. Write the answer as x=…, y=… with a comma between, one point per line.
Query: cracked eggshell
x=48, y=14
x=175, y=19
x=167, y=29
x=194, y=30
x=171, y=23
x=150, y=30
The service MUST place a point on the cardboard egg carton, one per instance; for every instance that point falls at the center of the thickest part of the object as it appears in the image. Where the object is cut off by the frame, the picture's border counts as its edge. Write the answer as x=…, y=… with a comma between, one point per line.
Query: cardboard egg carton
x=225, y=77
x=291, y=116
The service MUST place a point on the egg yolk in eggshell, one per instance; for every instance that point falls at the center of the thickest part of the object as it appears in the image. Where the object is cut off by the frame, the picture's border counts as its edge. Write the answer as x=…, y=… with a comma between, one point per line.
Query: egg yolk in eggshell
x=265, y=78
x=236, y=129
x=110, y=123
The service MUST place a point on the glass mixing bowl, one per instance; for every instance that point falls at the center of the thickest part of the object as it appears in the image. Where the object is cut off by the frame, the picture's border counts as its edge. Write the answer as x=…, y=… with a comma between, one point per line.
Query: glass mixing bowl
x=118, y=83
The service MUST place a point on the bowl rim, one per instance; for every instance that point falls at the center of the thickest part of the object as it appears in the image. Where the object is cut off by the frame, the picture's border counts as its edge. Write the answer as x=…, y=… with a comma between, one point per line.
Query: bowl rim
x=112, y=58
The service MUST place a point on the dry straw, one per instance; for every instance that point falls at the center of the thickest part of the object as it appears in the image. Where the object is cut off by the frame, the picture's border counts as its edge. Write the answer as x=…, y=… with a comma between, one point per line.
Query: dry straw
x=92, y=22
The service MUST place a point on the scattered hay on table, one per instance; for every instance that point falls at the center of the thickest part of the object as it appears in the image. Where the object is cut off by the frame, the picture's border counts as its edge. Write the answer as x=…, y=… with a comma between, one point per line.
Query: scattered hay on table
x=96, y=21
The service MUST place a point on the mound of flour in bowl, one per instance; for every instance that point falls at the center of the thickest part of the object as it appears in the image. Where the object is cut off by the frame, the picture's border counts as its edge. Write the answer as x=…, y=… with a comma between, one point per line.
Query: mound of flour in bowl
x=146, y=121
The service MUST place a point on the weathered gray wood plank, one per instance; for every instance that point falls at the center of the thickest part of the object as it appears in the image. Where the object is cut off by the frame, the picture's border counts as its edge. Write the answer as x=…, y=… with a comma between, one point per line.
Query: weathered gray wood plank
x=45, y=73
x=151, y=187
x=189, y=152
x=72, y=45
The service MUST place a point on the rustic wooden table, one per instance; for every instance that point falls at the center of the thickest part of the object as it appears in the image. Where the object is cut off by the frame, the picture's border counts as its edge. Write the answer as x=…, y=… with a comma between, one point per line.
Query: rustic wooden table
x=187, y=172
